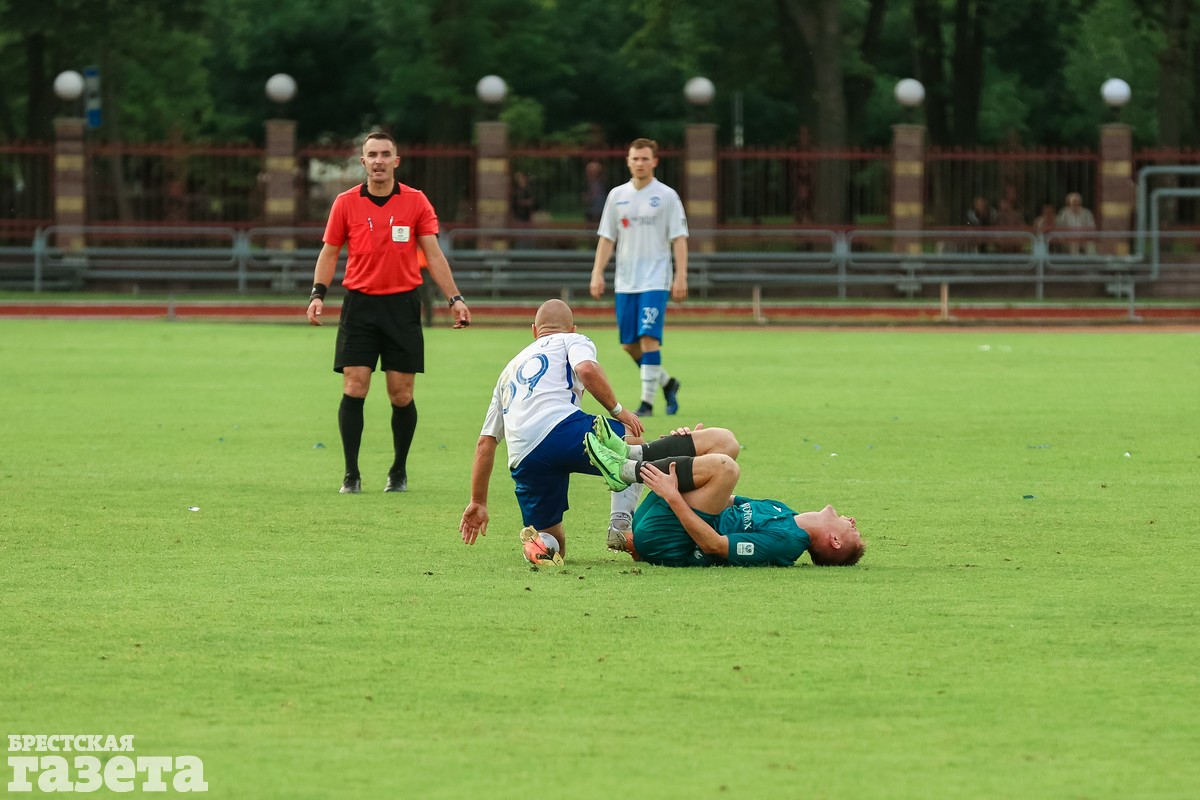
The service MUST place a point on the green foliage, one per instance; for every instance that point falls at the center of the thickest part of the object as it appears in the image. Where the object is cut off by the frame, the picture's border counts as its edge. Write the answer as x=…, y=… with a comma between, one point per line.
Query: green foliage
x=197, y=67
x=1113, y=42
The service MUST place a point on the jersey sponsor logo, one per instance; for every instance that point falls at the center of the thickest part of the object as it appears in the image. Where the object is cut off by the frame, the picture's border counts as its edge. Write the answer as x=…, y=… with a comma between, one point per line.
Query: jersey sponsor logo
x=745, y=548
x=747, y=516
x=624, y=222
x=655, y=201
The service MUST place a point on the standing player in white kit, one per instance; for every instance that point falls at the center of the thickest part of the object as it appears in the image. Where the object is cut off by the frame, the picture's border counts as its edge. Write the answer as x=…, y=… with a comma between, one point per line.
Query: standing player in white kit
x=645, y=223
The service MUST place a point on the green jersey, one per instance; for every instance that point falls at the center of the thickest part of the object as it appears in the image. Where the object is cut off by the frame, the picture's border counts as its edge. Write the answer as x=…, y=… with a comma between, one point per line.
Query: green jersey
x=760, y=532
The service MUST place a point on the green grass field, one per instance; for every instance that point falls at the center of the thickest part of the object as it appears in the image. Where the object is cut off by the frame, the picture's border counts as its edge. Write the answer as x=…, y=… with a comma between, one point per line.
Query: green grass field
x=1023, y=625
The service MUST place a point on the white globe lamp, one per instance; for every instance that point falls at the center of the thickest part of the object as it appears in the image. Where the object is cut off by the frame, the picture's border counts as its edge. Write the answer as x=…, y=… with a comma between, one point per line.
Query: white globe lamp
x=491, y=89
x=68, y=85
x=909, y=93
x=1115, y=92
x=281, y=87
x=699, y=91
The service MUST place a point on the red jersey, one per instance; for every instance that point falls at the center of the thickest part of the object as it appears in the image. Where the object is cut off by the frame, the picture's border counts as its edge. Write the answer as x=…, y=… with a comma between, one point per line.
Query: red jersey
x=382, y=256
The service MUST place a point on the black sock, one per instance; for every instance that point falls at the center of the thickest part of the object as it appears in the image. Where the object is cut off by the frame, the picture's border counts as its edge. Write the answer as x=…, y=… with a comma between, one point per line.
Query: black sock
x=669, y=446
x=404, y=425
x=350, y=423
x=683, y=470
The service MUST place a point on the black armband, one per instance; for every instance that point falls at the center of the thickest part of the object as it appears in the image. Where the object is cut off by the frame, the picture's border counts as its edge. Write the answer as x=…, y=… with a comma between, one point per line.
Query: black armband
x=318, y=290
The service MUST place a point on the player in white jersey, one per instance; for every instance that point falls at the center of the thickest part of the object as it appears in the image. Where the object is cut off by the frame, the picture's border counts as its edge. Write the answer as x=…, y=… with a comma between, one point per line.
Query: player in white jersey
x=535, y=410
x=644, y=221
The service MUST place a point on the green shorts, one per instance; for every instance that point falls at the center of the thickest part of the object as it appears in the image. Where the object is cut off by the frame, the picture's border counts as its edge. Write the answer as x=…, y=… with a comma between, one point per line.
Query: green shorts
x=660, y=538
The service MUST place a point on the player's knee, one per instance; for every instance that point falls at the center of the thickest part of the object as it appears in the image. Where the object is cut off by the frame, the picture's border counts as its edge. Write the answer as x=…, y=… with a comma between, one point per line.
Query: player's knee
x=731, y=467
x=355, y=388
x=727, y=443
x=717, y=440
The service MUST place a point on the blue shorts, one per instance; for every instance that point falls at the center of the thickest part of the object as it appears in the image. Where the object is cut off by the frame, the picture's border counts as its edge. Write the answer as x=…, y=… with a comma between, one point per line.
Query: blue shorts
x=641, y=315
x=544, y=475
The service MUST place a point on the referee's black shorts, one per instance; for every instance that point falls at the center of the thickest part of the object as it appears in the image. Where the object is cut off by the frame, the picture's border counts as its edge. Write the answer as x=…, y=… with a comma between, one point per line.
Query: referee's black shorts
x=383, y=328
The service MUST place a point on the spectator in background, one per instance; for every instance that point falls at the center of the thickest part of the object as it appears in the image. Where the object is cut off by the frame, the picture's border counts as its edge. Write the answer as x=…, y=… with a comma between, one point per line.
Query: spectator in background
x=595, y=192
x=1046, y=223
x=1008, y=217
x=1074, y=217
x=523, y=201
x=981, y=214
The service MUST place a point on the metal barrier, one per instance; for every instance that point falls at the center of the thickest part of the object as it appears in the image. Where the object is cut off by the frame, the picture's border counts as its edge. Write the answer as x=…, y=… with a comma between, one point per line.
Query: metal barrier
x=106, y=253
x=525, y=261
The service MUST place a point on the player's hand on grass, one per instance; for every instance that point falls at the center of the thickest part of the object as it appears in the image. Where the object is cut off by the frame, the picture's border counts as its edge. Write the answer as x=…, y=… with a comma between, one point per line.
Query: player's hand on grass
x=663, y=484
x=474, y=522
x=315, y=307
x=632, y=422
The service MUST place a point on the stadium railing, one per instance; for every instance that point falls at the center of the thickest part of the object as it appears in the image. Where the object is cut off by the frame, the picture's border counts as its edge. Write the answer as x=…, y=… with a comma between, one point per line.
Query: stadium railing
x=508, y=262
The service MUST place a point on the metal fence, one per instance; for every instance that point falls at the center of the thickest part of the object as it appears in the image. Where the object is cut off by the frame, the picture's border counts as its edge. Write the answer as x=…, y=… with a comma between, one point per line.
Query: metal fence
x=205, y=184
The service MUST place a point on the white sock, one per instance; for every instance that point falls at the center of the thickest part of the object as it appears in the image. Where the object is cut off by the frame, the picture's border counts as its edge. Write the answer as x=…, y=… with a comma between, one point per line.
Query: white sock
x=635, y=452
x=649, y=381
x=627, y=473
x=623, y=504
x=664, y=377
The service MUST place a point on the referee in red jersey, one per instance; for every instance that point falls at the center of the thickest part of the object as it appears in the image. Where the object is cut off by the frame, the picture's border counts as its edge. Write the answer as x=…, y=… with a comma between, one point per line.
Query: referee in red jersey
x=384, y=223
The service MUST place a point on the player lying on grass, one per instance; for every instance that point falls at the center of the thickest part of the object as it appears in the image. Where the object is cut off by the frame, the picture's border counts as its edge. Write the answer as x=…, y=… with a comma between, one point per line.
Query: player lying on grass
x=692, y=519
x=535, y=410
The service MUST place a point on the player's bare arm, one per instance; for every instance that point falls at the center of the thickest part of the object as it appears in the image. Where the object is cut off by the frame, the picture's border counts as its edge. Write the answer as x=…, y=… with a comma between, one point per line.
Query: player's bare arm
x=592, y=376
x=604, y=251
x=323, y=275
x=666, y=486
x=475, y=518
x=679, y=286
x=439, y=270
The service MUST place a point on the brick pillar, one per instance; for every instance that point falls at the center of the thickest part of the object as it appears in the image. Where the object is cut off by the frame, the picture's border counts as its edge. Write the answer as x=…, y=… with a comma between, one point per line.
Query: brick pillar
x=70, y=194
x=700, y=185
x=1117, y=190
x=491, y=180
x=279, y=174
x=908, y=185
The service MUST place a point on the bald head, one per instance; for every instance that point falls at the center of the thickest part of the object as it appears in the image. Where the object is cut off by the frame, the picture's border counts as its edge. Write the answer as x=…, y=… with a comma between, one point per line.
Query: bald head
x=554, y=316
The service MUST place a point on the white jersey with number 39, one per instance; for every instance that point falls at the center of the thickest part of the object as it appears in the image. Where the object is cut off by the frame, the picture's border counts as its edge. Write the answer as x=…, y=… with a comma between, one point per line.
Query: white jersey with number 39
x=536, y=391
x=643, y=223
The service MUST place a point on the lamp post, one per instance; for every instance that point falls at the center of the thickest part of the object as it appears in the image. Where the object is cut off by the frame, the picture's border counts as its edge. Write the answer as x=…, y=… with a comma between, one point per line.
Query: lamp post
x=700, y=167
x=279, y=167
x=1116, y=188
x=908, y=168
x=70, y=194
x=491, y=161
